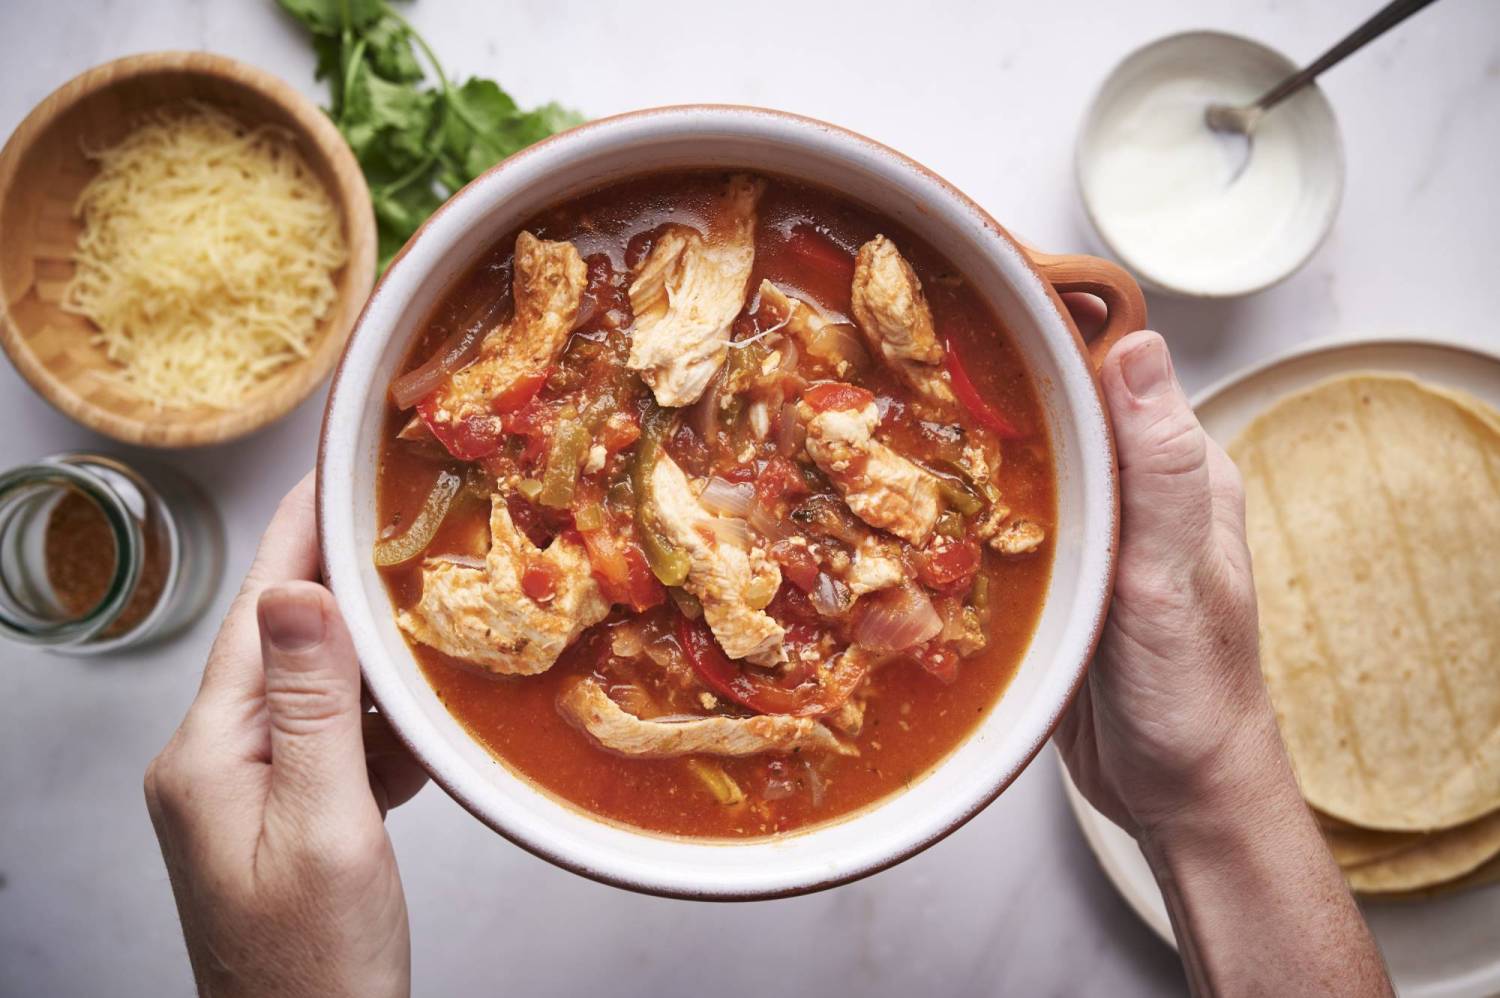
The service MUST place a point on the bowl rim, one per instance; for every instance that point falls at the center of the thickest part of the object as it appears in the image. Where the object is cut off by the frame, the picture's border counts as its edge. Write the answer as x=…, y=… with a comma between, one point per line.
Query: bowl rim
x=292, y=385
x=1154, y=281
x=905, y=850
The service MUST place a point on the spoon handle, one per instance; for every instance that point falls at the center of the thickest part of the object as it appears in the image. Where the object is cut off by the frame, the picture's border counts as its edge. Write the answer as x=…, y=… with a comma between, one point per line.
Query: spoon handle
x=1382, y=21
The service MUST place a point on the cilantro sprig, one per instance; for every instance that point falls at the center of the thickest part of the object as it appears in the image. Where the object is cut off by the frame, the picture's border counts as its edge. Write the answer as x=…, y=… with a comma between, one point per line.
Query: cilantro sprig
x=417, y=143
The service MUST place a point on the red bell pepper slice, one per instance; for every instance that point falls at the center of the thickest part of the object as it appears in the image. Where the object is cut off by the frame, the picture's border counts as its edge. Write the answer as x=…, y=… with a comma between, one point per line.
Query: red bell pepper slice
x=523, y=390
x=821, y=254
x=984, y=414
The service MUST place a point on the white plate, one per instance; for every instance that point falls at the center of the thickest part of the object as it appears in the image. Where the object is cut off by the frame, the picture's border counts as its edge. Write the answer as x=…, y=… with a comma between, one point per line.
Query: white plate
x=1444, y=948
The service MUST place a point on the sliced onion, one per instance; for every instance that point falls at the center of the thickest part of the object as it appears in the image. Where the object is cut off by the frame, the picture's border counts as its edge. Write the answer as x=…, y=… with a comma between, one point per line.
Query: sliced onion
x=765, y=523
x=791, y=434
x=789, y=356
x=829, y=596
x=455, y=353
x=839, y=344
x=703, y=417
x=897, y=619
x=732, y=530
x=814, y=783
x=727, y=498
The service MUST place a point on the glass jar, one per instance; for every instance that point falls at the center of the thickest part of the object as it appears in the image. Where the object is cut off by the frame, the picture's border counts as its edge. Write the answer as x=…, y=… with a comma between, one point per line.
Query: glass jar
x=95, y=557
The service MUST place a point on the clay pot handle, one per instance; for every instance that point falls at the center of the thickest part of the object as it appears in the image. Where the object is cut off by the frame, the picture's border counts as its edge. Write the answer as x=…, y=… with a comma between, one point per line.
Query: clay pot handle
x=1116, y=288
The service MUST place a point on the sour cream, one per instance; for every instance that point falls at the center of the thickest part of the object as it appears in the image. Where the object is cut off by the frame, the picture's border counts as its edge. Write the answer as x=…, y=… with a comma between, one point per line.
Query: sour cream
x=1197, y=213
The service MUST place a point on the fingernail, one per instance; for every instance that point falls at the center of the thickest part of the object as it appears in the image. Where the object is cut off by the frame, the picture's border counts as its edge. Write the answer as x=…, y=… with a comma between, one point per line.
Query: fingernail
x=1147, y=368
x=292, y=619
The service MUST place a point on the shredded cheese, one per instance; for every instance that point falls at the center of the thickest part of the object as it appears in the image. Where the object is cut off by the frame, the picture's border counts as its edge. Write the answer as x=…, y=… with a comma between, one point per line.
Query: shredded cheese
x=207, y=257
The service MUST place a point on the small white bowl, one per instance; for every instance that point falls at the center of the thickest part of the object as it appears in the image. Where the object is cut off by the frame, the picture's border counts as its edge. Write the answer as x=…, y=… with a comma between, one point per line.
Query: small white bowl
x=1204, y=66
x=1020, y=285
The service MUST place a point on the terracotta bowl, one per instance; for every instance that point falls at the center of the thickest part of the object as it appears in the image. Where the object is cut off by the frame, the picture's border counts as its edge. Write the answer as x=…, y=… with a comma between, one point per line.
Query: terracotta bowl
x=42, y=170
x=1022, y=286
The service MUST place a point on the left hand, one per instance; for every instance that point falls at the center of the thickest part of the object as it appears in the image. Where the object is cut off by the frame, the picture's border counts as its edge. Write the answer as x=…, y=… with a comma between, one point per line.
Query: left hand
x=269, y=800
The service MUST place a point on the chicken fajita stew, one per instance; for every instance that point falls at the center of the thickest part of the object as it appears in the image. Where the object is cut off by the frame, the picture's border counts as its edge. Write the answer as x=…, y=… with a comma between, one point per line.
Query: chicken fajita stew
x=715, y=505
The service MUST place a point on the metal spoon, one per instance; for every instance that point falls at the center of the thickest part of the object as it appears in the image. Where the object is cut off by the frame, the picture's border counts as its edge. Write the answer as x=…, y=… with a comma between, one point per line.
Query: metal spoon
x=1242, y=120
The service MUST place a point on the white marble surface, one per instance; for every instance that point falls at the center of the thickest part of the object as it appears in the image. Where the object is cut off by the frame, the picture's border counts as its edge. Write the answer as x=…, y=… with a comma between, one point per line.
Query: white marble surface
x=987, y=94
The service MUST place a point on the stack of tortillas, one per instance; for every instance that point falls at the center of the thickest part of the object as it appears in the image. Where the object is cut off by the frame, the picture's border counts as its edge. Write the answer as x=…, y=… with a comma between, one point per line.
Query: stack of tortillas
x=1374, y=521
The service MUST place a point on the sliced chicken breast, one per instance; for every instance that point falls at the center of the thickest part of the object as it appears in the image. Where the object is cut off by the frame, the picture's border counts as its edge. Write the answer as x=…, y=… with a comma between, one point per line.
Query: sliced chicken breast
x=879, y=485
x=1013, y=535
x=588, y=706
x=893, y=314
x=550, y=278
x=482, y=615
x=686, y=295
x=731, y=576
x=877, y=565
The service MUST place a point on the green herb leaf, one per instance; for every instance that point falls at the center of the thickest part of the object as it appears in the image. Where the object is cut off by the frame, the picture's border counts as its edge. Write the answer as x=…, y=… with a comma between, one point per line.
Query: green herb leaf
x=326, y=17
x=416, y=144
x=388, y=47
x=401, y=212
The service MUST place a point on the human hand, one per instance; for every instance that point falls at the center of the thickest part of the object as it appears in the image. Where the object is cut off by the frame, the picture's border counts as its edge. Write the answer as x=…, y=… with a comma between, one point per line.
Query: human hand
x=1173, y=735
x=269, y=799
x=1174, y=712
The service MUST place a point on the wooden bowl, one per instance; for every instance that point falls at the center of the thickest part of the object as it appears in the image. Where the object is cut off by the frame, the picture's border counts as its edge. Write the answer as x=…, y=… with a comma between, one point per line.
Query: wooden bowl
x=42, y=171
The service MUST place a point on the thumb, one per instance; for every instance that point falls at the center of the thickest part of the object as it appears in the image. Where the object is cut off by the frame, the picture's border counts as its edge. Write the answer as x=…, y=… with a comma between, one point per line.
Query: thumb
x=1164, y=478
x=312, y=702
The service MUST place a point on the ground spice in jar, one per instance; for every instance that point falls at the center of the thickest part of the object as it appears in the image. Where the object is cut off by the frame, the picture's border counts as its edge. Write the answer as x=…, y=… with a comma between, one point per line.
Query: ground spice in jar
x=81, y=557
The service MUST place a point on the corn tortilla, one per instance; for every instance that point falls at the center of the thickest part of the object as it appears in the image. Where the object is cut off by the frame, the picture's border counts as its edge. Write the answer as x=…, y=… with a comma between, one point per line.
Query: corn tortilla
x=1435, y=859
x=1352, y=845
x=1373, y=508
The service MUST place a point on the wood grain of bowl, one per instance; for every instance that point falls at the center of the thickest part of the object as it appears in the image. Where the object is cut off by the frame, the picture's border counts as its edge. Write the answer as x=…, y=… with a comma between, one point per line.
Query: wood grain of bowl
x=42, y=170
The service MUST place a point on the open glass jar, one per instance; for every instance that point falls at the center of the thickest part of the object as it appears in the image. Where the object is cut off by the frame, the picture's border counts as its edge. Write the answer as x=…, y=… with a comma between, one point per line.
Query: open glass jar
x=95, y=557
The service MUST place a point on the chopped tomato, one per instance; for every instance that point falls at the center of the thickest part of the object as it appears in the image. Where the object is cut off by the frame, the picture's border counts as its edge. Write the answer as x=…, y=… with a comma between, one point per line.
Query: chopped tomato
x=533, y=423
x=539, y=580
x=821, y=254
x=539, y=524
x=836, y=395
x=797, y=564
x=621, y=570
x=468, y=438
x=780, y=477
x=738, y=473
x=940, y=660
x=948, y=565
x=618, y=434
x=759, y=691
x=984, y=414
x=791, y=606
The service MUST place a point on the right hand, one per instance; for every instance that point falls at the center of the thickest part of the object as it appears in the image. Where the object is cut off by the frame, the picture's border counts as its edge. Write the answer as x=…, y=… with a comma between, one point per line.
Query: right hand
x=1174, y=712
